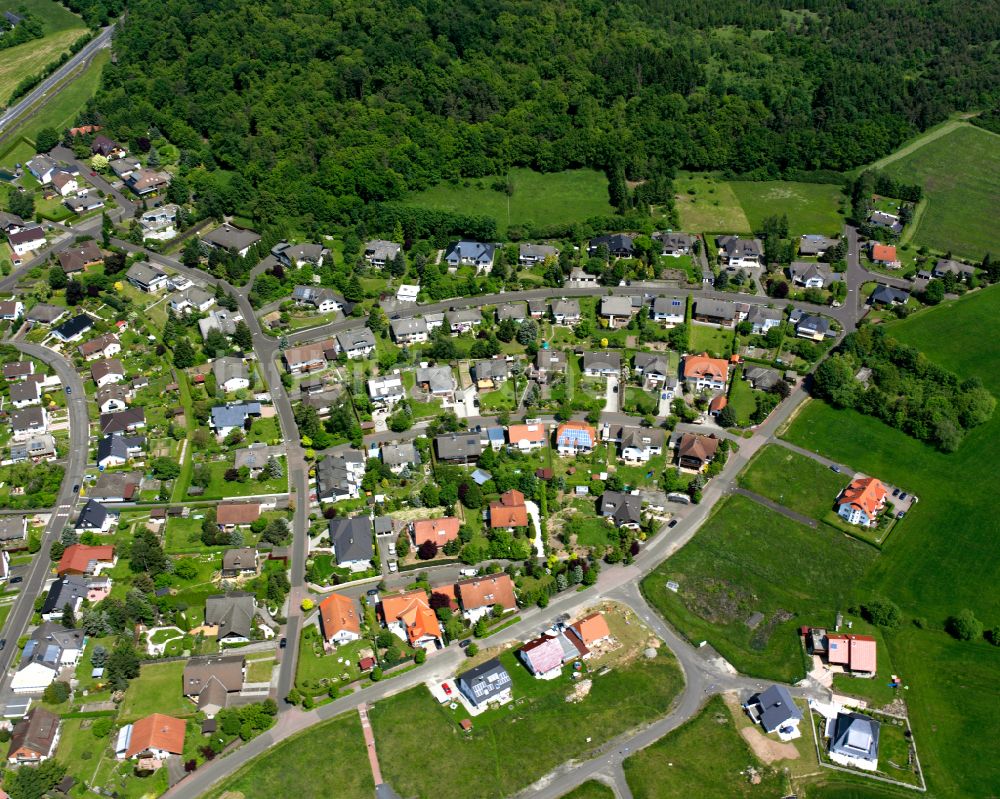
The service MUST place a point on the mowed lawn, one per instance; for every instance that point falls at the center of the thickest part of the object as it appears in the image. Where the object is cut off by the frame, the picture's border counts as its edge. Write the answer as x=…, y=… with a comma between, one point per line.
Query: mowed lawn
x=960, y=174
x=591, y=789
x=747, y=559
x=156, y=690
x=329, y=759
x=61, y=28
x=713, y=340
x=943, y=557
x=706, y=203
x=793, y=480
x=512, y=747
x=704, y=757
x=810, y=207
x=538, y=199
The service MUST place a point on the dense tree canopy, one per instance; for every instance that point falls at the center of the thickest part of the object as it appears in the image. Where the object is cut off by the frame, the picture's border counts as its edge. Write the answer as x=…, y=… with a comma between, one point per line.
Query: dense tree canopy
x=322, y=110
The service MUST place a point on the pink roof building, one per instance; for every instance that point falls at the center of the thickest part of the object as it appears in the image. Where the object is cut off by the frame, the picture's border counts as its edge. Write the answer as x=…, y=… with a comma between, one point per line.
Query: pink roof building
x=855, y=653
x=542, y=656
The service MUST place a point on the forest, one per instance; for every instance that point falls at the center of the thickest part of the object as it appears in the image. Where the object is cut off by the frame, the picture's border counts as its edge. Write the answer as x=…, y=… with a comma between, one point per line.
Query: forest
x=320, y=111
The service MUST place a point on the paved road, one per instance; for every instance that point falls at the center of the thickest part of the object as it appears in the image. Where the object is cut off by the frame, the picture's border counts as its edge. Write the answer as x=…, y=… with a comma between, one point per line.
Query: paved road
x=42, y=91
x=24, y=604
x=847, y=470
x=772, y=505
x=126, y=205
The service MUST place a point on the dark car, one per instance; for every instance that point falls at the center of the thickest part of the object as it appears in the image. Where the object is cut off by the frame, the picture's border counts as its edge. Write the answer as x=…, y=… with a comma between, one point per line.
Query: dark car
x=895, y=492
x=465, y=643
x=673, y=523
x=903, y=495
x=16, y=579
x=76, y=488
x=834, y=468
x=69, y=389
x=283, y=643
x=3, y=643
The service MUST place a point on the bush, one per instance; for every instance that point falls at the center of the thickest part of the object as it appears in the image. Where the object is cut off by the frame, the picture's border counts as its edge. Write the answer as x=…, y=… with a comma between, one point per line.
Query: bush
x=882, y=613
x=964, y=626
x=56, y=693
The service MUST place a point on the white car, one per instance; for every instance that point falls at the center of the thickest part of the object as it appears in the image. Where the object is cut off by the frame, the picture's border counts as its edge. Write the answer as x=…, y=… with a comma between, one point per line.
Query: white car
x=392, y=548
x=393, y=566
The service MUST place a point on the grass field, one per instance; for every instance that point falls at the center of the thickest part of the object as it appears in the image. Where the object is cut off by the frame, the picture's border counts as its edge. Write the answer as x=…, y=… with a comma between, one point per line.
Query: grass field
x=591, y=789
x=742, y=401
x=810, y=207
x=747, y=559
x=157, y=690
x=792, y=480
x=960, y=174
x=713, y=340
x=537, y=731
x=538, y=199
x=944, y=557
x=61, y=29
x=329, y=759
x=702, y=758
x=706, y=203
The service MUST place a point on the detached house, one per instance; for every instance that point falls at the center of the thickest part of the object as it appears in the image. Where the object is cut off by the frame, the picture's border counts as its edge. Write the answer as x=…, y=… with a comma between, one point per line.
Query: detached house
x=231, y=515
x=813, y=246
x=379, y=252
x=78, y=258
x=653, y=368
x=738, y=253
x=543, y=657
x=308, y=357
x=637, y=444
x=352, y=542
x=674, y=243
x=884, y=255
x=211, y=681
x=668, y=311
x=229, y=237
x=386, y=391
x=580, y=279
x=514, y=311
x=532, y=254
x=575, y=438
x=885, y=220
x=106, y=346
x=399, y=457
x=28, y=423
x=861, y=501
x=438, y=531
x=856, y=653
x=299, y=255
x=94, y=517
x=763, y=319
x=50, y=649
x=715, y=312
x=226, y=418
x=119, y=422
x=624, y=510
x=887, y=295
x=704, y=373
x=696, y=451
x=147, y=181
x=231, y=374
x=619, y=245
x=74, y=328
x=65, y=184
x=339, y=620
x=339, y=476
x=156, y=736
x=566, y=312
x=24, y=394
x=548, y=363
x=854, y=740
x=526, y=437
x=809, y=275
x=110, y=149
x=86, y=561
x=34, y=738
x=459, y=447
x=478, y=595
x=111, y=398
x=233, y=614
x=617, y=311
x=240, y=562
x=409, y=617
x=491, y=374
x=409, y=330
x=602, y=364
x=776, y=711
x=471, y=253
x=117, y=450
x=323, y=300
x=463, y=321
x=486, y=684
x=26, y=240
x=509, y=512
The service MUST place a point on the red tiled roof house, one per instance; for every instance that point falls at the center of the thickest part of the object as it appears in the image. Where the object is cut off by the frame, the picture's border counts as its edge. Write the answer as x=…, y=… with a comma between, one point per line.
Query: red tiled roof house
x=861, y=501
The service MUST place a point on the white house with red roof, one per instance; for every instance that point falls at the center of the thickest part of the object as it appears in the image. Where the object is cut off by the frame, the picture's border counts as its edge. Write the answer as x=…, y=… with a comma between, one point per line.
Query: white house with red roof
x=861, y=501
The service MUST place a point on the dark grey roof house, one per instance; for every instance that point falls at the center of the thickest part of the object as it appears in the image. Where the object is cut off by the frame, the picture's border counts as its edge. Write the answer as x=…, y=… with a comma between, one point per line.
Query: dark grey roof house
x=233, y=613
x=459, y=446
x=352, y=541
x=487, y=682
x=624, y=509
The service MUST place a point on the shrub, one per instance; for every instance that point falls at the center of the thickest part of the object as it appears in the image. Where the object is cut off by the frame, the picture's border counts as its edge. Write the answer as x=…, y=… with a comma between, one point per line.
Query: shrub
x=964, y=626
x=882, y=613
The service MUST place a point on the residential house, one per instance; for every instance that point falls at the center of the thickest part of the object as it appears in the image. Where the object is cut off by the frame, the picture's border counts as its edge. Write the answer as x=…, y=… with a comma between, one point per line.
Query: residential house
x=157, y=736
x=127, y=421
x=94, y=517
x=70, y=590
x=339, y=476
x=526, y=437
x=471, y=253
x=509, y=512
x=18, y=370
x=65, y=183
x=885, y=220
x=949, y=267
x=226, y=418
x=478, y=596
x=580, y=279
x=233, y=614
x=13, y=529
x=28, y=423
x=810, y=275
x=409, y=616
x=854, y=740
x=602, y=363
x=763, y=319
x=321, y=299
x=50, y=649
x=514, y=311
x=339, y=620
x=110, y=149
x=400, y=457
x=543, y=656
x=637, y=444
x=231, y=374
x=10, y=223
x=379, y=252
x=106, y=346
x=591, y=631
x=884, y=255
x=407, y=293
x=695, y=451
x=192, y=299
x=761, y=378
x=776, y=711
x=438, y=531
x=547, y=364
x=462, y=321
x=675, y=243
x=34, y=738
x=668, y=311
x=575, y=438
x=147, y=181
x=117, y=486
x=219, y=319
x=210, y=681
x=231, y=238
x=386, y=390
x=256, y=457
x=124, y=167
x=356, y=344
x=308, y=357
x=35, y=449
x=42, y=167
x=624, y=510
x=26, y=240
x=486, y=684
x=72, y=329
x=861, y=501
x=117, y=450
x=352, y=542
x=715, y=312
x=146, y=277
x=654, y=368
x=86, y=561
x=83, y=203
x=491, y=374
x=815, y=328
x=532, y=254
x=537, y=308
x=856, y=653
x=299, y=255
x=158, y=223
x=619, y=245
x=408, y=330
x=566, y=312
x=231, y=515
x=496, y=437
x=240, y=562
x=111, y=398
x=617, y=311
x=458, y=447
x=737, y=253
x=24, y=394
x=887, y=295
x=703, y=373
x=78, y=258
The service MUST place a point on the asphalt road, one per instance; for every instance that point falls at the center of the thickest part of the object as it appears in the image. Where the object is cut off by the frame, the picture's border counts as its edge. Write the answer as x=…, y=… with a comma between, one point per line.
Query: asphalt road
x=24, y=604
x=41, y=92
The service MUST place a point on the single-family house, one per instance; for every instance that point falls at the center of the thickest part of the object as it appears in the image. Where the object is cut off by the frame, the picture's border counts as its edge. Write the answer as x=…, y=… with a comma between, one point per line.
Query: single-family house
x=110, y=149
x=407, y=292
x=111, y=398
x=106, y=346
x=776, y=711
x=69, y=590
x=117, y=450
x=339, y=476
x=231, y=374
x=124, y=167
x=856, y=653
x=210, y=681
x=339, y=620
x=761, y=378
x=231, y=515
x=26, y=240
x=146, y=277
x=580, y=279
x=884, y=255
x=947, y=266
x=226, y=418
x=490, y=374
x=548, y=363
x=147, y=181
x=399, y=457
x=532, y=254
x=471, y=253
x=231, y=238
x=240, y=562
x=86, y=561
x=352, y=542
x=78, y=258
x=762, y=318
x=654, y=368
x=478, y=596
x=486, y=684
x=812, y=327
x=28, y=423
x=715, y=312
x=24, y=394
x=636, y=444
x=861, y=501
x=308, y=357
x=156, y=736
x=566, y=312
x=616, y=310
x=34, y=738
x=602, y=363
x=695, y=451
x=10, y=223
x=888, y=295
x=72, y=329
x=739, y=253
x=514, y=311
x=299, y=255
x=438, y=531
x=42, y=167
x=386, y=390
x=810, y=275
x=355, y=344
x=321, y=299
x=192, y=299
x=408, y=330
x=409, y=616
x=459, y=447
x=463, y=320
x=95, y=517
x=886, y=220
x=543, y=656
x=219, y=319
x=50, y=649
x=233, y=614
x=591, y=631
x=158, y=223
x=18, y=370
x=703, y=373
x=509, y=512
x=668, y=311
x=575, y=438
x=813, y=245
x=624, y=510
x=117, y=486
x=13, y=529
x=854, y=740
x=618, y=245
x=526, y=437
x=83, y=203
x=64, y=183
x=35, y=449
x=674, y=243
x=379, y=252
x=127, y=421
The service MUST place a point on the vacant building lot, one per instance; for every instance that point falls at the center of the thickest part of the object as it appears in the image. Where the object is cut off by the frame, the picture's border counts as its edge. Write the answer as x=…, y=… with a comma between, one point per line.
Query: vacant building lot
x=809, y=207
x=793, y=480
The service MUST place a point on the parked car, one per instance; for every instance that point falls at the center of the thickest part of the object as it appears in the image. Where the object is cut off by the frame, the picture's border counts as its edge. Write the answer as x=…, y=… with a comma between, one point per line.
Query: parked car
x=903, y=495
x=393, y=566
x=465, y=643
x=392, y=548
x=69, y=389
x=372, y=597
x=16, y=579
x=901, y=514
x=3, y=643
x=834, y=468
x=895, y=492
x=446, y=688
x=283, y=642
x=673, y=523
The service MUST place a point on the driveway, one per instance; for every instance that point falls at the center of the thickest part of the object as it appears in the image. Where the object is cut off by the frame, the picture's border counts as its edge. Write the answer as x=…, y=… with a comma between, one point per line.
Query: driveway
x=535, y=515
x=611, y=395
